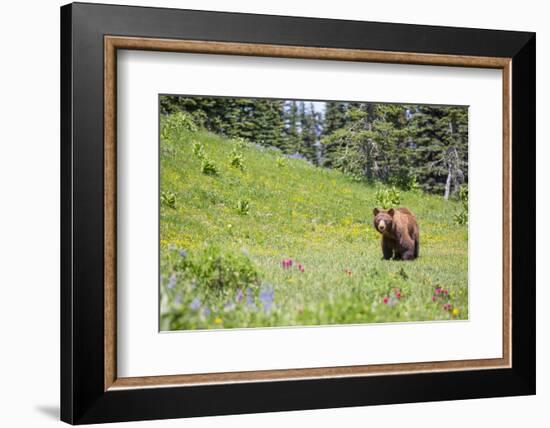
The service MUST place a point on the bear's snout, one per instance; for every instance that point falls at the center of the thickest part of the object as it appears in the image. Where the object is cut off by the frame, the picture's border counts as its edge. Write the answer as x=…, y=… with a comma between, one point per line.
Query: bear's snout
x=382, y=226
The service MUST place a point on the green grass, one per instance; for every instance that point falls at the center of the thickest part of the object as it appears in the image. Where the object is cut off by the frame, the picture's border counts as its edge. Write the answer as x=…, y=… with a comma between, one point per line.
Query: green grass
x=270, y=210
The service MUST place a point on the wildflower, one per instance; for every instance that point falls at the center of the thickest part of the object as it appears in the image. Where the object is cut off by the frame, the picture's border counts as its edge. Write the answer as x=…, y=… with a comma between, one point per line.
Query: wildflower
x=249, y=297
x=386, y=300
x=239, y=295
x=348, y=272
x=438, y=290
x=300, y=267
x=266, y=297
x=433, y=298
x=446, y=292
x=218, y=320
x=447, y=307
x=195, y=304
x=183, y=253
x=456, y=311
x=287, y=263
x=172, y=281
x=206, y=312
x=398, y=295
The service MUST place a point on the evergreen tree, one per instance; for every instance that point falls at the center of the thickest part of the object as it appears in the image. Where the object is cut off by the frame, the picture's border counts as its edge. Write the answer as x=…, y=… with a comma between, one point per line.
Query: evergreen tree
x=308, y=132
x=292, y=131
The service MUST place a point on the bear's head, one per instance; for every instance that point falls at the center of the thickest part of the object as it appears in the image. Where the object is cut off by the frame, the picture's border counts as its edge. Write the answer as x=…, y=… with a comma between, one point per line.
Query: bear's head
x=383, y=220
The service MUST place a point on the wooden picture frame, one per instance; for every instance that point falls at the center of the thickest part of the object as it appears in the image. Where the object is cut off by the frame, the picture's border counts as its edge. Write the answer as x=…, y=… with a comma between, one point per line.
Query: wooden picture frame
x=91, y=390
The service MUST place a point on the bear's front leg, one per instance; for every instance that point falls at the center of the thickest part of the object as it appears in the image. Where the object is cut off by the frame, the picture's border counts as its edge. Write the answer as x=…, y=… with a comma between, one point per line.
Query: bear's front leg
x=408, y=255
x=387, y=248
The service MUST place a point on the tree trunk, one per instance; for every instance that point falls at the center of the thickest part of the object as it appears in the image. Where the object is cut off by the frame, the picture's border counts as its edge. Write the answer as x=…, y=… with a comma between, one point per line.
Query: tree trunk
x=448, y=184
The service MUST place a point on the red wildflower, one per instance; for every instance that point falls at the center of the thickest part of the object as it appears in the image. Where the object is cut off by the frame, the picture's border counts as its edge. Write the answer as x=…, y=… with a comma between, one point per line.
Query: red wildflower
x=386, y=300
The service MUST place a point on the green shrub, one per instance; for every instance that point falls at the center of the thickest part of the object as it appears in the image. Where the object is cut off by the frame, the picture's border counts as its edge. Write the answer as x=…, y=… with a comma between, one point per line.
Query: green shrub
x=198, y=150
x=216, y=270
x=462, y=216
x=209, y=167
x=175, y=123
x=240, y=143
x=243, y=207
x=168, y=199
x=281, y=162
x=388, y=198
x=405, y=180
x=236, y=160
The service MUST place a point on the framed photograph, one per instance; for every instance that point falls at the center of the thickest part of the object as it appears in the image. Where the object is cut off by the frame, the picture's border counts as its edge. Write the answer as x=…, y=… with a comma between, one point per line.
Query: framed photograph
x=266, y=213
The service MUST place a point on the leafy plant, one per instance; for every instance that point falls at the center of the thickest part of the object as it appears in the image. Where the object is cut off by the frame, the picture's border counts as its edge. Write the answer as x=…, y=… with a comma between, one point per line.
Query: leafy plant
x=215, y=269
x=388, y=198
x=168, y=199
x=198, y=150
x=243, y=207
x=236, y=160
x=175, y=123
x=240, y=143
x=405, y=180
x=461, y=217
x=281, y=162
x=209, y=167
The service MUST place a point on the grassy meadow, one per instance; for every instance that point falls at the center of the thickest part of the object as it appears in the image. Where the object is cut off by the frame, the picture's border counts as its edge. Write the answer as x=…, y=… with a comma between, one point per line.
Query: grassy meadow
x=269, y=240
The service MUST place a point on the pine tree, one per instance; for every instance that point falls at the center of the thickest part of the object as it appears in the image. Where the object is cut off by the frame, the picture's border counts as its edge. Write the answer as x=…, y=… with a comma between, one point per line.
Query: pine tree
x=308, y=131
x=292, y=133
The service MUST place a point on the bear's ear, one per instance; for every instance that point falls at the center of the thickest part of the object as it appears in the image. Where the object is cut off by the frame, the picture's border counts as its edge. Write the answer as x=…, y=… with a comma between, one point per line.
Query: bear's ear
x=391, y=212
x=375, y=211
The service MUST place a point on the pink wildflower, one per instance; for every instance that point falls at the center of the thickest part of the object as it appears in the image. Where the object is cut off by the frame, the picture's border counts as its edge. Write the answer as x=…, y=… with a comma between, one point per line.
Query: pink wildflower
x=287, y=263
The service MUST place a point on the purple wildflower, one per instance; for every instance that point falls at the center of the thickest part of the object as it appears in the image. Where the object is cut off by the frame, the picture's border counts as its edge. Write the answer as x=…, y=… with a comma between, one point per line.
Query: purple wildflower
x=183, y=253
x=172, y=281
x=195, y=304
x=239, y=295
x=249, y=297
x=206, y=312
x=266, y=296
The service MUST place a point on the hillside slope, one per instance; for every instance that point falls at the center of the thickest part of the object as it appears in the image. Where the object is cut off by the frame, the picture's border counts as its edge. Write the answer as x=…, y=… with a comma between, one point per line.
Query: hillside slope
x=277, y=209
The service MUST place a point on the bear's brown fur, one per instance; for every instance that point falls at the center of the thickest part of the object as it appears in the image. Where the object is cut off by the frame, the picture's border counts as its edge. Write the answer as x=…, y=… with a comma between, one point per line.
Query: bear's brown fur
x=400, y=234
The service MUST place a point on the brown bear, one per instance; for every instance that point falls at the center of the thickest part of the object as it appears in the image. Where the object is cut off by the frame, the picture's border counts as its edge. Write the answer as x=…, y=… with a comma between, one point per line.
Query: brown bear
x=400, y=234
